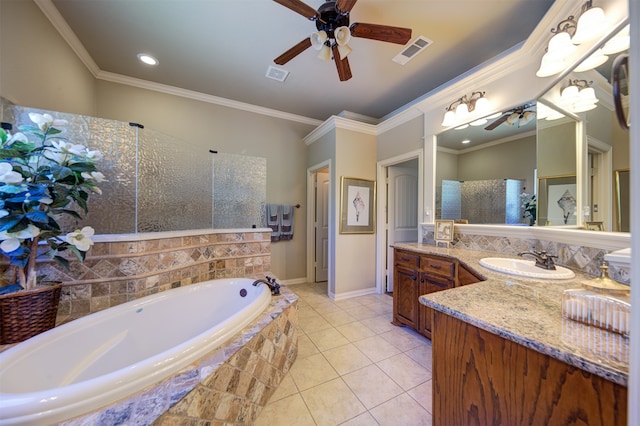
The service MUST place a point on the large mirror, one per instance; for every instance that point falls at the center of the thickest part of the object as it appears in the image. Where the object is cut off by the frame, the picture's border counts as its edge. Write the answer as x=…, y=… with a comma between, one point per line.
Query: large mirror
x=487, y=174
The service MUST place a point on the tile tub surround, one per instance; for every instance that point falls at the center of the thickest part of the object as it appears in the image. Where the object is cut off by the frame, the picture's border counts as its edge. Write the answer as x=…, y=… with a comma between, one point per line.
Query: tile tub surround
x=529, y=312
x=578, y=251
x=227, y=386
x=120, y=268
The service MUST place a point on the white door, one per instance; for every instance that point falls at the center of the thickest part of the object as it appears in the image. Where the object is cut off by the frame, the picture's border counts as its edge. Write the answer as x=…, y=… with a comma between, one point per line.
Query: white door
x=322, y=227
x=402, y=209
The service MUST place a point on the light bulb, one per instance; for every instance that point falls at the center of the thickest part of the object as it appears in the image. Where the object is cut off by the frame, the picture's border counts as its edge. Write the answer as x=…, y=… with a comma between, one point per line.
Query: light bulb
x=594, y=60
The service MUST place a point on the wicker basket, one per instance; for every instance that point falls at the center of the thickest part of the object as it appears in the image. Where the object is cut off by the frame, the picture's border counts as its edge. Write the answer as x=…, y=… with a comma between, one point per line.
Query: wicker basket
x=27, y=313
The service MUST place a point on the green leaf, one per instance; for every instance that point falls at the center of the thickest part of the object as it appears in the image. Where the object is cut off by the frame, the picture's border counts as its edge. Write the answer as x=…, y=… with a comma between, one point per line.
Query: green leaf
x=62, y=262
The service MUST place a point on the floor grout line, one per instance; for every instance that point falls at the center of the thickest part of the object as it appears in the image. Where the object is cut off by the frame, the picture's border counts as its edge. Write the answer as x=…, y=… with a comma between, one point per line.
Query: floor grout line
x=394, y=408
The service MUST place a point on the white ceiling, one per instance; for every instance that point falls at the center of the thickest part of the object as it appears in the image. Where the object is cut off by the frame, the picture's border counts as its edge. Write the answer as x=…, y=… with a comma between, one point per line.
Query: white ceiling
x=224, y=48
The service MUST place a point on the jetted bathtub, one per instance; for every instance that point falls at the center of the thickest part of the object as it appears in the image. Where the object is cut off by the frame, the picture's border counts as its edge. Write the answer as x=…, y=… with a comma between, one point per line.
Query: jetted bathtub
x=96, y=360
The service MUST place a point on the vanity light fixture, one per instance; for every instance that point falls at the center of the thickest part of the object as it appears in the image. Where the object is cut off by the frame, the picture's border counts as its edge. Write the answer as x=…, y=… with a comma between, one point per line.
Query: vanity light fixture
x=579, y=96
x=620, y=42
x=460, y=109
x=569, y=33
x=591, y=24
x=148, y=59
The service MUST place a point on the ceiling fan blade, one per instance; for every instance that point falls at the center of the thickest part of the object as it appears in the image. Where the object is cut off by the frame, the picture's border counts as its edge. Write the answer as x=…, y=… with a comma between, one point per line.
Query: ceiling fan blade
x=299, y=7
x=498, y=122
x=346, y=5
x=381, y=32
x=344, y=70
x=293, y=52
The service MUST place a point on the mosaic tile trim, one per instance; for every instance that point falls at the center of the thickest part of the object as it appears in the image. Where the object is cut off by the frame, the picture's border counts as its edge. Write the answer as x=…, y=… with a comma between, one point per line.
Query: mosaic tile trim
x=580, y=258
x=230, y=385
x=117, y=272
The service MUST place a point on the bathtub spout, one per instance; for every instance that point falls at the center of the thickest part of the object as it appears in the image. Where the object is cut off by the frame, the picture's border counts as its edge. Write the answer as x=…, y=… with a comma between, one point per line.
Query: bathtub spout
x=271, y=283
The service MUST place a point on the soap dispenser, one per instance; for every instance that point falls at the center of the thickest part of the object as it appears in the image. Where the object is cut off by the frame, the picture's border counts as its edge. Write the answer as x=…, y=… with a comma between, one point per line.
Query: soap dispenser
x=601, y=302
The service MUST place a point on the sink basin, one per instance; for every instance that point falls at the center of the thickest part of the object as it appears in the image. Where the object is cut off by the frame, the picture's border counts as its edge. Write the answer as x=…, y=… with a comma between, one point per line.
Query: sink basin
x=525, y=268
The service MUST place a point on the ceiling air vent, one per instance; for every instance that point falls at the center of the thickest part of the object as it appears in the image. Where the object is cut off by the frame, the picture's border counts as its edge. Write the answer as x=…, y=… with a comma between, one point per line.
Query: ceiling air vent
x=277, y=73
x=410, y=52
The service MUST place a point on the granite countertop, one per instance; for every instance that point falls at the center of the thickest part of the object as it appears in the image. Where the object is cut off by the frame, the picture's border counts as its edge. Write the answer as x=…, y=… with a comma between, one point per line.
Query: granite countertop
x=528, y=312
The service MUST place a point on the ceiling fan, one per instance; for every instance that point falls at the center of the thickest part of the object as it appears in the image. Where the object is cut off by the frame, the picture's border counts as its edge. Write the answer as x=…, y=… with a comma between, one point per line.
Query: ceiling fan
x=518, y=116
x=334, y=32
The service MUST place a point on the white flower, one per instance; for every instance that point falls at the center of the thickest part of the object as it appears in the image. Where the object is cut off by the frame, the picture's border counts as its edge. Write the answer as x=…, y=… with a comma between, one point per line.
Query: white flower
x=96, y=176
x=45, y=121
x=69, y=148
x=12, y=240
x=81, y=238
x=18, y=137
x=9, y=245
x=94, y=155
x=7, y=175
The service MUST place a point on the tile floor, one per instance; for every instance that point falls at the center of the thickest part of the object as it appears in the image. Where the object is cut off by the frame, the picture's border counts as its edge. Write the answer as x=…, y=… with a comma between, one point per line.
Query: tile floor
x=353, y=367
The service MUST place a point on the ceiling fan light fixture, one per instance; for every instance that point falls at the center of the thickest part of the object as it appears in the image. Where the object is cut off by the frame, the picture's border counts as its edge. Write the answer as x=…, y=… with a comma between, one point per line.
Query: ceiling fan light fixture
x=325, y=53
x=318, y=39
x=513, y=119
x=342, y=35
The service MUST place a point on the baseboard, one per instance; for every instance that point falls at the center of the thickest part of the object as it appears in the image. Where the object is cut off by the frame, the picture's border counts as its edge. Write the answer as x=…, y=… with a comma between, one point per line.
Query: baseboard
x=350, y=294
x=294, y=281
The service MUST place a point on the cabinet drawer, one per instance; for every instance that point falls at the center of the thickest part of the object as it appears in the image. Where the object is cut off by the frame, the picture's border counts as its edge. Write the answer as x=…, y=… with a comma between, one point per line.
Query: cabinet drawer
x=438, y=266
x=408, y=260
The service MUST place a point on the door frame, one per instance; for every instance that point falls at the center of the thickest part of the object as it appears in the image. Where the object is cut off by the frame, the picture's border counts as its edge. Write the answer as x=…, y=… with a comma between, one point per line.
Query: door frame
x=311, y=208
x=381, y=210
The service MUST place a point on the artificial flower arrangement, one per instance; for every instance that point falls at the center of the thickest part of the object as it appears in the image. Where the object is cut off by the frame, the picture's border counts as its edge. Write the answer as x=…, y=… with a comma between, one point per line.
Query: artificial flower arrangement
x=529, y=206
x=40, y=181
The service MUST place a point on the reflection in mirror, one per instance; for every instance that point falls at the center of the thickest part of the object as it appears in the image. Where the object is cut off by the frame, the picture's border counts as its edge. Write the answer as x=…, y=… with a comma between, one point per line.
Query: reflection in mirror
x=482, y=170
x=556, y=161
x=608, y=144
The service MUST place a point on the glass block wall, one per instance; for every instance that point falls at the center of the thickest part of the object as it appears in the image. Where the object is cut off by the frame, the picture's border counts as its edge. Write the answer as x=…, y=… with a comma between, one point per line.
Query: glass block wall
x=156, y=182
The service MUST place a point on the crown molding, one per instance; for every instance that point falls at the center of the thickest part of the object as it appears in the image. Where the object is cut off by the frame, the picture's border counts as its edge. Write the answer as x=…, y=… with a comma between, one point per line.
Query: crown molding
x=58, y=22
x=335, y=122
x=399, y=119
x=199, y=96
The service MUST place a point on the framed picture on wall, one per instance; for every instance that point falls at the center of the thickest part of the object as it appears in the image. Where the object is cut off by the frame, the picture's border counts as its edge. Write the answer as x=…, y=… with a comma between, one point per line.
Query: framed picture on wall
x=443, y=231
x=357, y=206
x=594, y=226
x=557, y=197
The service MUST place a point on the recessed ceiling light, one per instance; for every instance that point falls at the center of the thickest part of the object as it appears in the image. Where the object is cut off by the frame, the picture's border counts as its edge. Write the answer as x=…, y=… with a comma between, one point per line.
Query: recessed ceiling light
x=147, y=59
x=466, y=141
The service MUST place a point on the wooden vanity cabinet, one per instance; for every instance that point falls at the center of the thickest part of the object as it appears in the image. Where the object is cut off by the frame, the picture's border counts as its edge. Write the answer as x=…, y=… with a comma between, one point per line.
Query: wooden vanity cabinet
x=416, y=274
x=481, y=378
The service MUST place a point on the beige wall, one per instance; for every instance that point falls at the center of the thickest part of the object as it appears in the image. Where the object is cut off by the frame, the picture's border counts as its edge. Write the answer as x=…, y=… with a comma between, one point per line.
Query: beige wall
x=355, y=254
x=557, y=149
x=401, y=139
x=510, y=160
x=37, y=67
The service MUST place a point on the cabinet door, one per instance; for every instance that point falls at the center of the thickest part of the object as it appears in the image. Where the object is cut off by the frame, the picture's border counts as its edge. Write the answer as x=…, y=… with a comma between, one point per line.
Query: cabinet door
x=430, y=284
x=405, y=296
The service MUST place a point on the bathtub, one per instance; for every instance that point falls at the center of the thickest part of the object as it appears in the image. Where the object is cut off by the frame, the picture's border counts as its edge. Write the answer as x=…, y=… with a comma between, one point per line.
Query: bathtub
x=96, y=360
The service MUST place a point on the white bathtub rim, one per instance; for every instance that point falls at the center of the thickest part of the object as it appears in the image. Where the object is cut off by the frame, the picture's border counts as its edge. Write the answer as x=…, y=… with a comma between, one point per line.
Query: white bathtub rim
x=12, y=405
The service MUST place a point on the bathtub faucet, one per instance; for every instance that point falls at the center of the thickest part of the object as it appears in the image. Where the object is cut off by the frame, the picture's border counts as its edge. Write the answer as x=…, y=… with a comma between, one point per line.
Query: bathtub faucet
x=271, y=283
x=543, y=260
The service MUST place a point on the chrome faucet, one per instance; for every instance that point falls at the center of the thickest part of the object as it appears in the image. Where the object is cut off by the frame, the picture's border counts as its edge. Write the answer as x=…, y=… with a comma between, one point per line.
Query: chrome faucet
x=271, y=283
x=543, y=260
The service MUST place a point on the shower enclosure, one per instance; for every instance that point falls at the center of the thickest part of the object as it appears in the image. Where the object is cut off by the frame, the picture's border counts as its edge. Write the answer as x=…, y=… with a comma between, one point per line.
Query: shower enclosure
x=156, y=182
